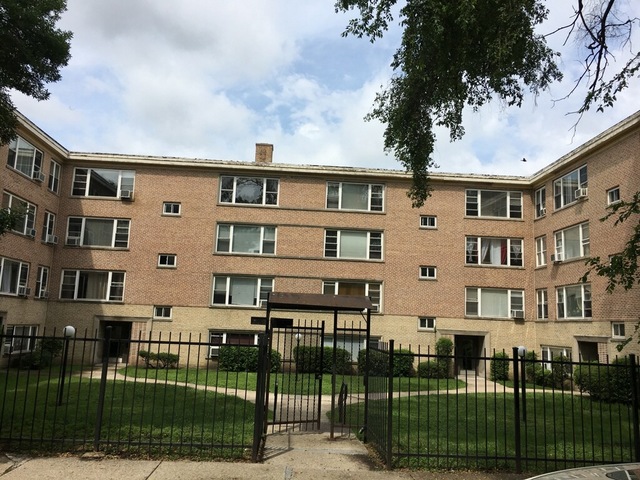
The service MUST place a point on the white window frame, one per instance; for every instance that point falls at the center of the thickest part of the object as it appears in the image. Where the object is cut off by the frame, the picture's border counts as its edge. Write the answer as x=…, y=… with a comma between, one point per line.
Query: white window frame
x=473, y=295
x=613, y=195
x=373, y=290
x=34, y=166
x=264, y=285
x=167, y=260
x=54, y=176
x=540, y=198
x=549, y=352
x=564, y=188
x=474, y=247
x=429, y=222
x=121, y=228
x=541, y=251
x=49, y=226
x=584, y=239
x=618, y=330
x=27, y=225
x=513, y=206
x=333, y=244
x=172, y=209
x=269, y=197
x=18, y=276
x=427, y=324
x=585, y=302
x=542, y=304
x=27, y=335
x=114, y=286
x=427, y=272
x=226, y=239
x=42, y=282
x=335, y=196
x=214, y=348
x=126, y=182
x=162, y=312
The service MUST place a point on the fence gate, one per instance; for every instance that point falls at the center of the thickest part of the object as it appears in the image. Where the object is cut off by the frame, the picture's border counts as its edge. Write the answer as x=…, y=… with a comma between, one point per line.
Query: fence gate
x=292, y=394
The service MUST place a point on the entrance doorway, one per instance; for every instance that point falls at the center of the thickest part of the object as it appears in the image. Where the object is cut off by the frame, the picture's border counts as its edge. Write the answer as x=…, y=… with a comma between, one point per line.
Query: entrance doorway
x=468, y=352
x=120, y=340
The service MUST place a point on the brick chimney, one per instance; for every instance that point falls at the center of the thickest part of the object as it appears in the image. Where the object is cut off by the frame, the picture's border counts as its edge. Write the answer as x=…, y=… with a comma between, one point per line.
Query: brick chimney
x=264, y=152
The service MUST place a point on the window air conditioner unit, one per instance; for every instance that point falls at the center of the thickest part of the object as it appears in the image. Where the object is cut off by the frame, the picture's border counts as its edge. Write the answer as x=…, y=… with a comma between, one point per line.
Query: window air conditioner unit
x=52, y=239
x=557, y=258
x=581, y=193
x=23, y=291
x=31, y=232
x=263, y=303
x=517, y=314
x=126, y=195
x=375, y=308
x=73, y=241
x=543, y=212
x=214, y=351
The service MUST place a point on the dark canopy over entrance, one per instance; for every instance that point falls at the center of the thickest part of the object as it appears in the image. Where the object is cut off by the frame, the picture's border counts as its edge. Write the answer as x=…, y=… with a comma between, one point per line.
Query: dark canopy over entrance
x=319, y=302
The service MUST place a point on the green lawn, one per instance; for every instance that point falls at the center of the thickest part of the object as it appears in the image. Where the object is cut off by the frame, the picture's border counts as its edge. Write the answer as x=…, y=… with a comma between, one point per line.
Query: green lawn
x=166, y=419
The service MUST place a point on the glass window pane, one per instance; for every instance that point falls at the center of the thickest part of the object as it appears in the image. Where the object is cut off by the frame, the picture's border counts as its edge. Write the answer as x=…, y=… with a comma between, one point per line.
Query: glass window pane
x=494, y=303
x=98, y=232
x=355, y=197
x=243, y=291
x=353, y=244
x=103, y=183
x=246, y=239
x=493, y=204
x=249, y=190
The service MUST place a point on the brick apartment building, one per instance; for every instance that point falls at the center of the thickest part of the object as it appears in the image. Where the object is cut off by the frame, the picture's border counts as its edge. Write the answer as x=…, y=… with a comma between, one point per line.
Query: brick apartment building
x=152, y=245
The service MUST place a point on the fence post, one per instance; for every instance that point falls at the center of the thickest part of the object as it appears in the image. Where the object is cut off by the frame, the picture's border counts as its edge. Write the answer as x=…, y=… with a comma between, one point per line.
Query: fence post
x=389, y=449
x=635, y=403
x=516, y=410
x=261, y=380
x=103, y=388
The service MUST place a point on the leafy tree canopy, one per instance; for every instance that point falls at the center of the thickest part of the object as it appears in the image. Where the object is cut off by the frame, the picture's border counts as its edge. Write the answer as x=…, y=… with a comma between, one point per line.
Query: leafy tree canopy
x=467, y=52
x=32, y=51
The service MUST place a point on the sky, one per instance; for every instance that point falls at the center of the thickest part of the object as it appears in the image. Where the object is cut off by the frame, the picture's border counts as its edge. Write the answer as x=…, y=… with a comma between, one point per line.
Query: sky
x=211, y=78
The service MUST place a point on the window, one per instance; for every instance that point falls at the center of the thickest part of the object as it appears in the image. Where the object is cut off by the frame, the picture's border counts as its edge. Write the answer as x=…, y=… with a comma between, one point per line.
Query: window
x=542, y=304
x=162, y=312
x=217, y=339
x=247, y=291
x=492, y=203
x=54, y=176
x=428, y=221
x=353, y=244
x=574, y=301
x=617, y=330
x=494, y=251
x=572, y=242
x=49, y=228
x=167, y=260
x=550, y=354
x=25, y=158
x=565, y=189
x=246, y=239
x=541, y=251
x=348, y=287
x=92, y=285
x=428, y=272
x=541, y=202
x=98, y=232
x=249, y=190
x=493, y=302
x=100, y=182
x=613, y=195
x=14, y=276
x=427, y=323
x=42, y=282
x=20, y=338
x=355, y=196
x=171, y=208
x=26, y=224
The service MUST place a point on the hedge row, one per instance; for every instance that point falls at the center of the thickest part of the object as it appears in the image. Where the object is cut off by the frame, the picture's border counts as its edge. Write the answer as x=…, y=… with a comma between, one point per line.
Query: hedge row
x=245, y=359
x=310, y=359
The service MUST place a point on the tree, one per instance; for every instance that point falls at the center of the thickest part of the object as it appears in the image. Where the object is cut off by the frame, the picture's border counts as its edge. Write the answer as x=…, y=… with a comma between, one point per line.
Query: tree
x=467, y=52
x=32, y=51
x=9, y=219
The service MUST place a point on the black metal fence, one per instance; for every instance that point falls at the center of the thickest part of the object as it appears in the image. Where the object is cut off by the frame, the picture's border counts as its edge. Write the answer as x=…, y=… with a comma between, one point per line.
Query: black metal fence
x=507, y=413
x=64, y=395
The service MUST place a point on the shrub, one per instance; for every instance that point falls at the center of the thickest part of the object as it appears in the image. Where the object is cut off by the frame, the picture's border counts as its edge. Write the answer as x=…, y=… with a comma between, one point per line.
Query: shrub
x=308, y=359
x=444, y=350
x=499, y=367
x=379, y=363
x=244, y=359
x=432, y=369
x=41, y=357
x=608, y=383
x=163, y=360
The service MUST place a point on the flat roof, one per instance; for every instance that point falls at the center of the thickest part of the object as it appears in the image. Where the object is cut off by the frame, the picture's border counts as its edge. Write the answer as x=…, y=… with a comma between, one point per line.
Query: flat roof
x=318, y=302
